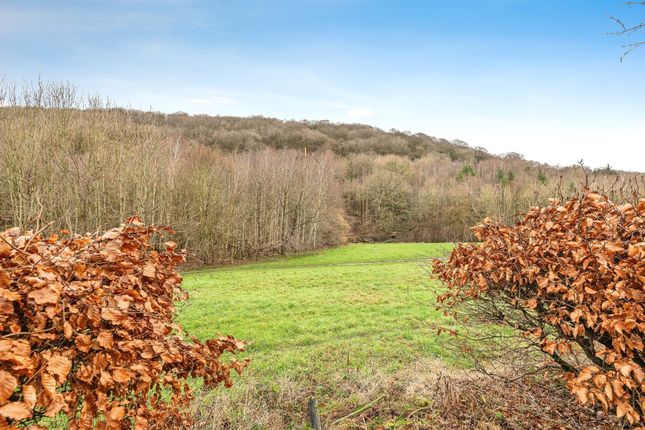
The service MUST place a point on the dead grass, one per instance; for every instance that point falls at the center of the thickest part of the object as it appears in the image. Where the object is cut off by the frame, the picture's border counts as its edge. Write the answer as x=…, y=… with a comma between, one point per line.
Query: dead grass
x=427, y=395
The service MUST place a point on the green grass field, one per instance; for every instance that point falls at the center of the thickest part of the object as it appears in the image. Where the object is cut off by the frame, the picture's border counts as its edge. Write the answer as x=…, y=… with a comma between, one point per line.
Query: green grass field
x=355, y=306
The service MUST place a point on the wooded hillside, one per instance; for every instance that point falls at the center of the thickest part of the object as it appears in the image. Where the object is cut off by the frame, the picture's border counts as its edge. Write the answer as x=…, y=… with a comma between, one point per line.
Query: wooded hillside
x=238, y=188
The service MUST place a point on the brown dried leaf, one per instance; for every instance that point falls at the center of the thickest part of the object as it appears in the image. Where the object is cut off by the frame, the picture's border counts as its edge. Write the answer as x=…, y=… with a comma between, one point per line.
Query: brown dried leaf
x=7, y=384
x=29, y=395
x=46, y=295
x=15, y=411
x=59, y=366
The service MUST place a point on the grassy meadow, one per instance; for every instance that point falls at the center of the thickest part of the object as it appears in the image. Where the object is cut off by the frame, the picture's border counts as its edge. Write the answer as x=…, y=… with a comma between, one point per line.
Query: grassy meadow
x=320, y=312
x=335, y=324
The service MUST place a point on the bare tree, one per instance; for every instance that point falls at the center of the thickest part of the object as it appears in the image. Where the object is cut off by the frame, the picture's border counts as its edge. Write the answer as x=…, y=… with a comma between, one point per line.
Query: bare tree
x=630, y=30
x=240, y=188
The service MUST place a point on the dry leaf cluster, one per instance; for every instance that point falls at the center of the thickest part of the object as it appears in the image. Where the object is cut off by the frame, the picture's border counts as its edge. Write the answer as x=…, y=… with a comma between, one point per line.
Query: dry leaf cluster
x=576, y=272
x=88, y=330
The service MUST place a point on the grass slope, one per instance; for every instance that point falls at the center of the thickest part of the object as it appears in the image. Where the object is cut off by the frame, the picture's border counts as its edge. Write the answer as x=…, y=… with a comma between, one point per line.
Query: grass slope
x=351, y=307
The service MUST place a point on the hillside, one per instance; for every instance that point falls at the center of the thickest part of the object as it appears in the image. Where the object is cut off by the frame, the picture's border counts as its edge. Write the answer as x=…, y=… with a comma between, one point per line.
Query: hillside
x=254, y=133
x=240, y=188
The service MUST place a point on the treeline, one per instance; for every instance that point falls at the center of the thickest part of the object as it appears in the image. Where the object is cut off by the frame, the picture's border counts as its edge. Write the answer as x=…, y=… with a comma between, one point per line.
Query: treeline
x=235, y=134
x=89, y=170
x=238, y=188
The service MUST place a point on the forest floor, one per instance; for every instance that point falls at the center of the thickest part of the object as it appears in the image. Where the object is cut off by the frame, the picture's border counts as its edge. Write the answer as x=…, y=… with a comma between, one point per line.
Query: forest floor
x=356, y=328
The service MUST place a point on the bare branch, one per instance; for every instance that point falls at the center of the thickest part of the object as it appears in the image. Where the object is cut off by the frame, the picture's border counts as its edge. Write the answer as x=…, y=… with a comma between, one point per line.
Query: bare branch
x=629, y=30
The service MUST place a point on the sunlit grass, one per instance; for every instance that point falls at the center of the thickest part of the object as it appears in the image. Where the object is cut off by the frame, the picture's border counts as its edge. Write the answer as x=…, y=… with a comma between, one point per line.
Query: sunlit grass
x=324, y=311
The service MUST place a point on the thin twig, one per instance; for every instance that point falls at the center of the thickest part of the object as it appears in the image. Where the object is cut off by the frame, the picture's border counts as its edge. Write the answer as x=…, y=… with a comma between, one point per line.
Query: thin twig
x=359, y=410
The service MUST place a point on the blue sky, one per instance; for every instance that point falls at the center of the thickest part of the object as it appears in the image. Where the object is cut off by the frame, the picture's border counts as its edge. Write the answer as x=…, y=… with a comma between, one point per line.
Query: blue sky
x=539, y=77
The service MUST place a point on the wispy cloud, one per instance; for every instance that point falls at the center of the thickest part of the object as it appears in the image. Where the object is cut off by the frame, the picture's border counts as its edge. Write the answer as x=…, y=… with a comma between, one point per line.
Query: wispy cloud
x=224, y=100
x=115, y=82
x=359, y=113
x=200, y=101
x=20, y=18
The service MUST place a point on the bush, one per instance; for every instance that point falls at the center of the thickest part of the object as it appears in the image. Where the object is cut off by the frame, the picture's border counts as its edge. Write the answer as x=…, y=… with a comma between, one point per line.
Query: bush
x=569, y=277
x=88, y=329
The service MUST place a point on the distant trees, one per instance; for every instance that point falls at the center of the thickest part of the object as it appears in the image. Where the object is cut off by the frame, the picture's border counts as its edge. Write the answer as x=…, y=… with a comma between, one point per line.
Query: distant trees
x=513, y=156
x=607, y=170
x=434, y=199
x=232, y=134
x=384, y=205
x=85, y=169
x=238, y=188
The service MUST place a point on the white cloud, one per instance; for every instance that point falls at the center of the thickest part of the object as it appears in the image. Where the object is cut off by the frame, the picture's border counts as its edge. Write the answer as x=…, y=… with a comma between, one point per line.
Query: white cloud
x=115, y=82
x=217, y=99
x=359, y=113
x=200, y=101
x=224, y=100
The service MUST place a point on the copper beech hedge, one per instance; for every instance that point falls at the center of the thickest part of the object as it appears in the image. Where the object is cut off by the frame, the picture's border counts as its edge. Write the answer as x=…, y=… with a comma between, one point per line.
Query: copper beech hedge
x=88, y=330
x=576, y=270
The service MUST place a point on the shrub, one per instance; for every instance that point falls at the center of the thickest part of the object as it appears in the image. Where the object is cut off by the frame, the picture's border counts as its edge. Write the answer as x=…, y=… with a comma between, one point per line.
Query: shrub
x=505, y=177
x=466, y=171
x=88, y=329
x=570, y=277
